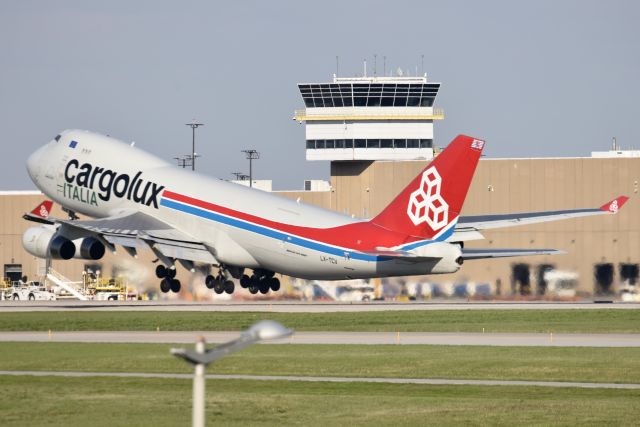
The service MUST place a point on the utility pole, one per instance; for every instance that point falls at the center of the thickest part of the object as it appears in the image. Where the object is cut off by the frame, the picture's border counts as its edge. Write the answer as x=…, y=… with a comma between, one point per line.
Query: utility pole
x=194, y=125
x=251, y=155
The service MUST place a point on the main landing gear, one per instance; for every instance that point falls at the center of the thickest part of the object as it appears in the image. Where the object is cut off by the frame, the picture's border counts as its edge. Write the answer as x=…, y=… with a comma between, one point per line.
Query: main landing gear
x=169, y=281
x=260, y=281
x=219, y=284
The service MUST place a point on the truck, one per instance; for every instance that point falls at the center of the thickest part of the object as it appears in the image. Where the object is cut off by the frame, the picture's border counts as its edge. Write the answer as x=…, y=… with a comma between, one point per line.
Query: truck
x=31, y=291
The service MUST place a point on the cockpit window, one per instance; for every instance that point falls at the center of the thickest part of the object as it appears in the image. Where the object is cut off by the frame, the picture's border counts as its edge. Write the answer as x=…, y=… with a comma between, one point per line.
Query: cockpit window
x=57, y=138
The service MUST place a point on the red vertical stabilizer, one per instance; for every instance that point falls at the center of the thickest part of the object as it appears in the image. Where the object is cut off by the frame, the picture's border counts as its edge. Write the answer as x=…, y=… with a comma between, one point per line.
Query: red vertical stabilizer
x=431, y=203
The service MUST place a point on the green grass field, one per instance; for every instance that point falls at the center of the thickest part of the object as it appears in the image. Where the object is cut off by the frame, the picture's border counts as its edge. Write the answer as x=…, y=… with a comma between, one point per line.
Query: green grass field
x=605, y=321
x=101, y=401
x=112, y=402
x=620, y=365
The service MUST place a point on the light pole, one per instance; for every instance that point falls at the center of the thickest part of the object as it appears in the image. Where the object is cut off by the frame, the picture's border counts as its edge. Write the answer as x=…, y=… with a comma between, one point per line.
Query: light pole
x=200, y=358
x=251, y=155
x=194, y=125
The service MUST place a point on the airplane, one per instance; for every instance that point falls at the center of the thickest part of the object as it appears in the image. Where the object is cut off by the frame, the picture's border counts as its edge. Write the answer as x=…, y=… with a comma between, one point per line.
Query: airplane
x=141, y=202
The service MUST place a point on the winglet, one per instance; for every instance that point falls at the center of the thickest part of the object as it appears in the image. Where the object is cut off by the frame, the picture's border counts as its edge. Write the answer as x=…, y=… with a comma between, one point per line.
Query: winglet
x=43, y=210
x=614, y=205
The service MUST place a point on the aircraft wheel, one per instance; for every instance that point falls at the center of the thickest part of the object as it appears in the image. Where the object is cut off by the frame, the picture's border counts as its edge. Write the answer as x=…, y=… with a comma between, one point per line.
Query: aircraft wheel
x=171, y=273
x=32, y=297
x=175, y=286
x=245, y=281
x=274, y=284
x=165, y=285
x=209, y=281
x=264, y=286
x=229, y=286
x=253, y=288
x=16, y=297
x=161, y=271
x=218, y=286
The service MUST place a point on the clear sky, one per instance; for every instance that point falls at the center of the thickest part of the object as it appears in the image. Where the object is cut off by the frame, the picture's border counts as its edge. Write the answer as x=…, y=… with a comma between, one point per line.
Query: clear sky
x=534, y=78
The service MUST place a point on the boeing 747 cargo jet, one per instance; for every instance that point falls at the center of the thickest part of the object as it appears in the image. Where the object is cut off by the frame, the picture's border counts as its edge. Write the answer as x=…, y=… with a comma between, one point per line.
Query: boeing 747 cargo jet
x=140, y=201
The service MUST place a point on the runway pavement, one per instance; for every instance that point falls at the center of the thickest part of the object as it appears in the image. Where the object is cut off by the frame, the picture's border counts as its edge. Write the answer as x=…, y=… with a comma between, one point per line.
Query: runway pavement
x=327, y=379
x=303, y=307
x=371, y=338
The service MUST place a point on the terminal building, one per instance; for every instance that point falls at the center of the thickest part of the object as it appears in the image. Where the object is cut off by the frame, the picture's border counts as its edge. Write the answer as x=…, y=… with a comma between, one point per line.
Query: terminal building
x=378, y=133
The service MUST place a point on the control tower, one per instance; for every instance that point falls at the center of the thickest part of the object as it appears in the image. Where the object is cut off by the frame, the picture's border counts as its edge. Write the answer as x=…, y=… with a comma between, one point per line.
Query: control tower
x=369, y=118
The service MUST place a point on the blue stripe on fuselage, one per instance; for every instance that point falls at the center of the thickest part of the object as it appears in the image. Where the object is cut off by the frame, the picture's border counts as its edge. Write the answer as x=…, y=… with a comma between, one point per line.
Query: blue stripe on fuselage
x=444, y=236
x=274, y=234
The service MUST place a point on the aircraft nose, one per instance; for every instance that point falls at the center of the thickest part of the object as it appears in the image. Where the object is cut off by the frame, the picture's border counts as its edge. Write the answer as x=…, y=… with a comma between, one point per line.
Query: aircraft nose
x=35, y=163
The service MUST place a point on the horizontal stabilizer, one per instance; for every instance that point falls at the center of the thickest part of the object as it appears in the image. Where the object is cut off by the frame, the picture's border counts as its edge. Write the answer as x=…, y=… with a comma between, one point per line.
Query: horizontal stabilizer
x=468, y=254
x=486, y=222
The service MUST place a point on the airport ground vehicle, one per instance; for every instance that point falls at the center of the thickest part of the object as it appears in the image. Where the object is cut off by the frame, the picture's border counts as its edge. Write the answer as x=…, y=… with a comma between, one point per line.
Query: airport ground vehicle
x=30, y=291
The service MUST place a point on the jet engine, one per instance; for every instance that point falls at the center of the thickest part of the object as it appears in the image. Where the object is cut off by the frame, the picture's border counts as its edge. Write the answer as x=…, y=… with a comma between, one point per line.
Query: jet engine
x=46, y=242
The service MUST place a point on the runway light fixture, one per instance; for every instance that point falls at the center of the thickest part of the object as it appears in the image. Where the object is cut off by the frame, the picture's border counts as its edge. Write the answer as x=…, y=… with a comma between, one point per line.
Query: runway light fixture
x=200, y=358
x=251, y=155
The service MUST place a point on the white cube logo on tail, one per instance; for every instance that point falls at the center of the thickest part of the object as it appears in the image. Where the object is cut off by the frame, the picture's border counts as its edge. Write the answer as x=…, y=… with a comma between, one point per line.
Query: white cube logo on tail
x=477, y=144
x=426, y=204
x=613, y=207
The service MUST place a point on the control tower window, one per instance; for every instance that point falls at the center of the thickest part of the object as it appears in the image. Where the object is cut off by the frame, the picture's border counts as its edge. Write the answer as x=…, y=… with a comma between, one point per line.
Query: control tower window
x=386, y=143
x=373, y=100
x=348, y=143
x=400, y=101
x=311, y=144
x=413, y=101
x=412, y=143
x=361, y=143
x=426, y=143
x=400, y=143
x=426, y=102
x=387, y=101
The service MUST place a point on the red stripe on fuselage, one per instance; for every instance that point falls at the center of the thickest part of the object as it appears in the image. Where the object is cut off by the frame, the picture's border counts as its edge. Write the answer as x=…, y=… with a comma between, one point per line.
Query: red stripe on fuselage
x=359, y=236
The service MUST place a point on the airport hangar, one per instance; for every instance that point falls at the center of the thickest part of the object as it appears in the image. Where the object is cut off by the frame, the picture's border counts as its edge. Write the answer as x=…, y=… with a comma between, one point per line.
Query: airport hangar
x=377, y=132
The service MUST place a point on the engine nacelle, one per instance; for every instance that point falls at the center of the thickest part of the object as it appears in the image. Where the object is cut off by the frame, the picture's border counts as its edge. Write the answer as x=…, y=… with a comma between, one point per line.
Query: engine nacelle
x=90, y=248
x=44, y=242
x=450, y=255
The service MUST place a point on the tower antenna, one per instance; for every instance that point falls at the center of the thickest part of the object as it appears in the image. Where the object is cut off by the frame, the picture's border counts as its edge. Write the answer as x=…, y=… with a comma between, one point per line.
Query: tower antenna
x=375, y=64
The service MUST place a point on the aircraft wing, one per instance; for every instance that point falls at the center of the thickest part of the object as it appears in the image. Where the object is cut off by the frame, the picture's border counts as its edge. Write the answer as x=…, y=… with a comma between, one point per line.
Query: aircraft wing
x=136, y=230
x=486, y=222
x=470, y=254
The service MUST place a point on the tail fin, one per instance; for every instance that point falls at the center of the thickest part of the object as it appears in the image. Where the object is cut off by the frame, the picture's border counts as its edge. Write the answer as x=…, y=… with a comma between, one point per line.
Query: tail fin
x=431, y=203
x=43, y=210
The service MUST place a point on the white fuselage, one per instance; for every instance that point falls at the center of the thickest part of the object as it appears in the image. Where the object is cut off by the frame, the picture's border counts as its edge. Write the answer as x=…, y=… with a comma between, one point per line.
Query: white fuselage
x=100, y=177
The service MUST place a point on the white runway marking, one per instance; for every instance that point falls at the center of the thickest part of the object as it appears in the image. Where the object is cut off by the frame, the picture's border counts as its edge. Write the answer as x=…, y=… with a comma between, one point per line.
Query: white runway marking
x=426, y=381
x=370, y=338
